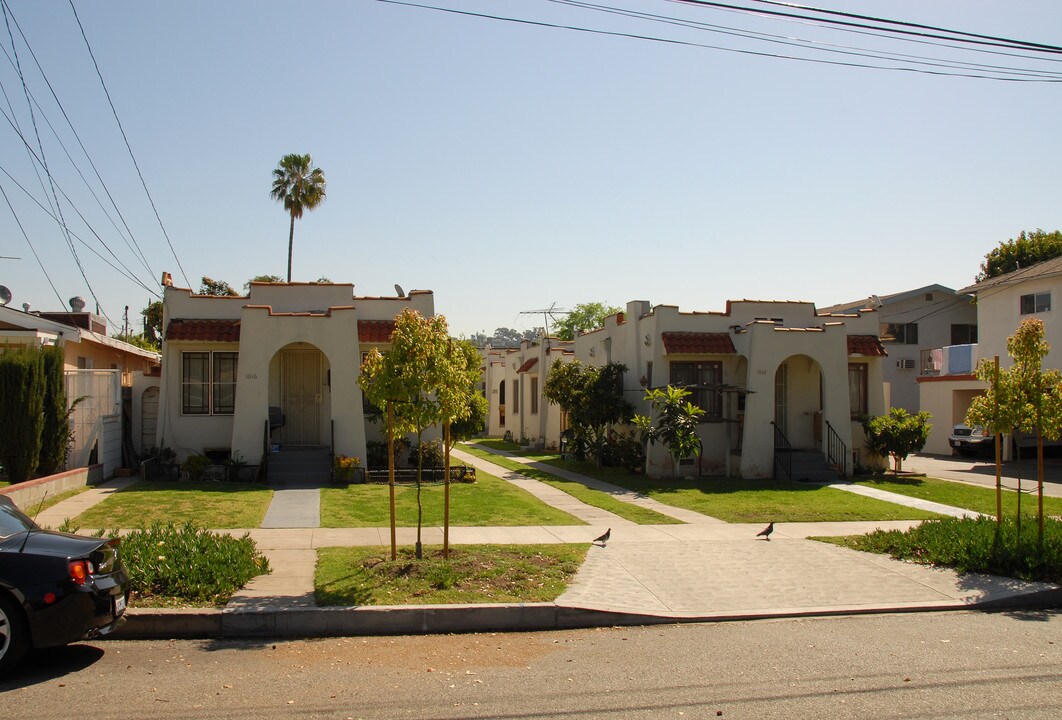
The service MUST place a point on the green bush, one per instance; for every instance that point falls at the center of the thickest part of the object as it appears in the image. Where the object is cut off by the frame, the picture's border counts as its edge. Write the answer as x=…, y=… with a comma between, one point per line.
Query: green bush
x=975, y=545
x=21, y=411
x=433, y=454
x=190, y=564
x=56, y=432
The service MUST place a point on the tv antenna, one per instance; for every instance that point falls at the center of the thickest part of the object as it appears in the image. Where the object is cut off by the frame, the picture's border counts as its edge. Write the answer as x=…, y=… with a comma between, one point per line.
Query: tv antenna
x=547, y=315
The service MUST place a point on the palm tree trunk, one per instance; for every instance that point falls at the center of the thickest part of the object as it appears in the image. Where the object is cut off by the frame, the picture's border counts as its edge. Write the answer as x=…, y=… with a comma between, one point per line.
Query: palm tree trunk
x=291, y=242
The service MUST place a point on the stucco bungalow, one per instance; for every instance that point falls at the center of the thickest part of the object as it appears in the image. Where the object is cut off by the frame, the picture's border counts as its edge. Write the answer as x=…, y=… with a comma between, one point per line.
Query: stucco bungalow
x=278, y=366
x=767, y=374
x=514, y=378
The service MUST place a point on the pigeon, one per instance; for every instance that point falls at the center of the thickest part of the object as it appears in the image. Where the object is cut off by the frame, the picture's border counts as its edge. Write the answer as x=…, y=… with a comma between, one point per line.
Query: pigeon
x=766, y=532
x=604, y=537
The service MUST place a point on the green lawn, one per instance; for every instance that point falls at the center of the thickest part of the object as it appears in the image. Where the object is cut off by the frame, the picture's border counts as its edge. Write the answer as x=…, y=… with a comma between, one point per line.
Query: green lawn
x=962, y=495
x=473, y=574
x=735, y=500
x=581, y=492
x=489, y=501
x=208, y=504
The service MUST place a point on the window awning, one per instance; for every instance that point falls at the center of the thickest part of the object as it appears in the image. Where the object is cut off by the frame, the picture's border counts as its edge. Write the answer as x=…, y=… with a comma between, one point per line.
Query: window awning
x=528, y=365
x=204, y=330
x=375, y=331
x=698, y=343
x=867, y=345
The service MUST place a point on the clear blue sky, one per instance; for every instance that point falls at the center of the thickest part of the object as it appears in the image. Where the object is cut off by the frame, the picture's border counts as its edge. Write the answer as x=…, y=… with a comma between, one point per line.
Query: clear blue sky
x=508, y=166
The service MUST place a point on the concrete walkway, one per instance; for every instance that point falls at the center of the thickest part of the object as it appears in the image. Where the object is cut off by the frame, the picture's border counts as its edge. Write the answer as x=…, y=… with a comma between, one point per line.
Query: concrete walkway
x=911, y=502
x=702, y=569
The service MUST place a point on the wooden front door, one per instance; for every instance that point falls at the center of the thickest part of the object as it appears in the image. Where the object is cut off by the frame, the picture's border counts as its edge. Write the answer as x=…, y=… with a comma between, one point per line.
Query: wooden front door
x=302, y=396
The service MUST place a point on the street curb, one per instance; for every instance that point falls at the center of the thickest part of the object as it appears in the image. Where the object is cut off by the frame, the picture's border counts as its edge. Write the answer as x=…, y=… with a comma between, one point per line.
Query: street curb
x=288, y=622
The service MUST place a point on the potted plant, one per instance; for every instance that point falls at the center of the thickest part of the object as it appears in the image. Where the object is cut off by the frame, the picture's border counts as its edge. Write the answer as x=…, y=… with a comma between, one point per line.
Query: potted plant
x=346, y=469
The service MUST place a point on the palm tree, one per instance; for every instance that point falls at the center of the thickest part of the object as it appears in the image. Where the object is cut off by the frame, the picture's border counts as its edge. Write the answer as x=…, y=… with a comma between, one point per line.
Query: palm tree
x=299, y=187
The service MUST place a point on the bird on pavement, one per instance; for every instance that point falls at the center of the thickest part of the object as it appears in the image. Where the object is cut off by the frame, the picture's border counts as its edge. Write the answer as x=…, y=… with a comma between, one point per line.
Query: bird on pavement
x=766, y=532
x=604, y=537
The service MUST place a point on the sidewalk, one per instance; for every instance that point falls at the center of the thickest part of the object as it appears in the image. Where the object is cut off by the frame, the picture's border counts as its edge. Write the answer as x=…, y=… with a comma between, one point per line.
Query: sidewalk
x=701, y=570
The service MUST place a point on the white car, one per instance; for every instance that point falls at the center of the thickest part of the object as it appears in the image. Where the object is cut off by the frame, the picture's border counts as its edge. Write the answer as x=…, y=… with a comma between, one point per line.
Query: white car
x=966, y=440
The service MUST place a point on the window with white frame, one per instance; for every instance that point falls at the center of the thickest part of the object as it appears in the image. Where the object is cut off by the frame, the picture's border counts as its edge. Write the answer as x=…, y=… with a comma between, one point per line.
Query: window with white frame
x=208, y=383
x=1035, y=303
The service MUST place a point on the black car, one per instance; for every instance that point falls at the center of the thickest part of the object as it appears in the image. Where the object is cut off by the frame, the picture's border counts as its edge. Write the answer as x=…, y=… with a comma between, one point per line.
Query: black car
x=55, y=588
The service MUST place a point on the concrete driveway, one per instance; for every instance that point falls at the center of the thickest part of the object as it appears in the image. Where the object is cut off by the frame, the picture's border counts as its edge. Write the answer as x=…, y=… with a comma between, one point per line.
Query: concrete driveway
x=982, y=471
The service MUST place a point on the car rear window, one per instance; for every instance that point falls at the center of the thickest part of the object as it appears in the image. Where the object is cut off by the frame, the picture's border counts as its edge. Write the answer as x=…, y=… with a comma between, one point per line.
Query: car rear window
x=12, y=521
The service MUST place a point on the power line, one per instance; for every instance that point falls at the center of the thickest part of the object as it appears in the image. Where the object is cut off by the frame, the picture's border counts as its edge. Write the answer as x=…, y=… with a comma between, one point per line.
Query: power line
x=815, y=45
x=32, y=249
x=137, y=251
x=127, y=145
x=904, y=23
x=952, y=35
x=672, y=41
x=123, y=270
x=44, y=164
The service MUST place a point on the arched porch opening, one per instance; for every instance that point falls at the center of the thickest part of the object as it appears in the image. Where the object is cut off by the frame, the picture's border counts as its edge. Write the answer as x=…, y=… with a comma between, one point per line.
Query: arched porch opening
x=798, y=401
x=300, y=386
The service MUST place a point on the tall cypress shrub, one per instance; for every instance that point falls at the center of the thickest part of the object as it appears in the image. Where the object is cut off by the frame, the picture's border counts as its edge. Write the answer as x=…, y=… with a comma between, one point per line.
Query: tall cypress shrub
x=21, y=411
x=55, y=436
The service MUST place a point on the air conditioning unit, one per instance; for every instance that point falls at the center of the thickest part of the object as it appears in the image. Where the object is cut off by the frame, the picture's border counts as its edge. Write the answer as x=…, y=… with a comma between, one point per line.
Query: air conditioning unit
x=908, y=364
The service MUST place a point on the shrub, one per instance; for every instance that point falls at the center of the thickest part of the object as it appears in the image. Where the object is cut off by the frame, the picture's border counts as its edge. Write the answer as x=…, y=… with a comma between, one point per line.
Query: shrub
x=975, y=545
x=897, y=434
x=56, y=431
x=195, y=466
x=190, y=564
x=433, y=454
x=21, y=411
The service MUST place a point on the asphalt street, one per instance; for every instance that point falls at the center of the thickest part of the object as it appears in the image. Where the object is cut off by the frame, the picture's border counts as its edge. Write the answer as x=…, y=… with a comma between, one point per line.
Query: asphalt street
x=927, y=665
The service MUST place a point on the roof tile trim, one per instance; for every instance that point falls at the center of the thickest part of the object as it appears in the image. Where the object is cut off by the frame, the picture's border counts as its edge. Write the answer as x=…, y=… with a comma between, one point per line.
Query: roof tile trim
x=868, y=345
x=698, y=343
x=204, y=330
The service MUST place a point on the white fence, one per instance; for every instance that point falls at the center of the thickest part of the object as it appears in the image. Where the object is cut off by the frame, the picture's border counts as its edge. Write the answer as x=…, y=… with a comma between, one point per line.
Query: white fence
x=97, y=419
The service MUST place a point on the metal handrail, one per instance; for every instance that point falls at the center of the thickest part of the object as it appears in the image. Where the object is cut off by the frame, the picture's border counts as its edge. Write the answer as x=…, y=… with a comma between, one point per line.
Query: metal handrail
x=836, y=450
x=263, y=466
x=783, y=453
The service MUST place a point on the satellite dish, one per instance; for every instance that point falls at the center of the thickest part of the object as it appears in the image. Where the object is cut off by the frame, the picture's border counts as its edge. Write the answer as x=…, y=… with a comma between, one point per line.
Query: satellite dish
x=5, y=295
x=399, y=290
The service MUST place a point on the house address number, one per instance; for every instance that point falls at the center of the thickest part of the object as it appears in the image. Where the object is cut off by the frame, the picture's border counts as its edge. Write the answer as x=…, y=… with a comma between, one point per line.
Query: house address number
x=251, y=376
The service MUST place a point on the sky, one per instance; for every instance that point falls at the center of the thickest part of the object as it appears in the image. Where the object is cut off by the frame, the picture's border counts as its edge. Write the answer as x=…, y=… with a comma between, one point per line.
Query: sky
x=510, y=167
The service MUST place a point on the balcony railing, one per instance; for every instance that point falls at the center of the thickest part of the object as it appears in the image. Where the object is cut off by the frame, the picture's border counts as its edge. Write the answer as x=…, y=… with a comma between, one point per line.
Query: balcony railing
x=949, y=360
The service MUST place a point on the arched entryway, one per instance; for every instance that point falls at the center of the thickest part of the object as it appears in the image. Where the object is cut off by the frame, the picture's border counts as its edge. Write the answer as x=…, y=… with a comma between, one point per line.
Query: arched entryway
x=798, y=396
x=299, y=384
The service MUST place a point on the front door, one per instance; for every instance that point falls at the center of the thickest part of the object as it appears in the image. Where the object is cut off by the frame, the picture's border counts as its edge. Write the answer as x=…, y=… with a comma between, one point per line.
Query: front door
x=301, y=391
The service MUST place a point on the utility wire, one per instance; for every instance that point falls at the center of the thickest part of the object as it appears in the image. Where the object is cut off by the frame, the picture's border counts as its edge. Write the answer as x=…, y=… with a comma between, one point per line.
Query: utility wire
x=812, y=44
x=904, y=23
x=952, y=35
x=128, y=146
x=30, y=243
x=123, y=270
x=131, y=238
x=51, y=212
x=670, y=41
x=44, y=164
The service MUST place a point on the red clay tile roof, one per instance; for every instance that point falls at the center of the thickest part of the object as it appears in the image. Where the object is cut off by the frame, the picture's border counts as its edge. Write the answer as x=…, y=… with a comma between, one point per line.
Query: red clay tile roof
x=375, y=331
x=528, y=365
x=698, y=343
x=204, y=330
x=867, y=345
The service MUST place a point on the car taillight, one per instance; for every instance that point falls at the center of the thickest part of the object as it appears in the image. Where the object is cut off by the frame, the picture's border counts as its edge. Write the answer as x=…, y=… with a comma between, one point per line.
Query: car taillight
x=79, y=571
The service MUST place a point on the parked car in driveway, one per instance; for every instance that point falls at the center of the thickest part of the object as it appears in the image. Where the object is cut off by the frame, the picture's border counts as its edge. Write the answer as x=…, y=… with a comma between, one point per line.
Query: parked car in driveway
x=55, y=588
x=965, y=440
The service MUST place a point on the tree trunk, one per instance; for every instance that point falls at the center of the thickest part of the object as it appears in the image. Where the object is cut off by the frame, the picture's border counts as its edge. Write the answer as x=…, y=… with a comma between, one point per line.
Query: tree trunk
x=420, y=506
x=291, y=242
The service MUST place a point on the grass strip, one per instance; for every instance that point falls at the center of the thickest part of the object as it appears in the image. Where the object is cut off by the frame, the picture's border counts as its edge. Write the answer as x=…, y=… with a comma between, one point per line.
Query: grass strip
x=596, y=498
x=963, y=495
x=490, y=501
x=971, y=545
x=207, y=504
x=738, y=500
x=349, y=576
